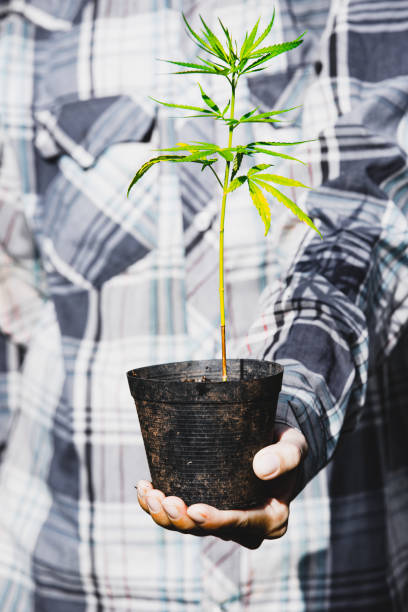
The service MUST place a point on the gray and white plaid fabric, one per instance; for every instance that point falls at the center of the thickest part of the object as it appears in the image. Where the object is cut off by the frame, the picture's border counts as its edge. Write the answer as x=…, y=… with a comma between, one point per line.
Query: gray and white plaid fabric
x=92, y=284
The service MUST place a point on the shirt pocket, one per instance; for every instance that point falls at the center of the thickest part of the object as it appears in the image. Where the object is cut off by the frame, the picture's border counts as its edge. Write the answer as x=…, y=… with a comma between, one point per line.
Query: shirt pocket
x=86, y=153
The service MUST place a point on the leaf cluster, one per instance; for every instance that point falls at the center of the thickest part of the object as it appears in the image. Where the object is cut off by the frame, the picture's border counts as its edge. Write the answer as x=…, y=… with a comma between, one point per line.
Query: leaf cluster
x=231, y=64
x=212, y=110
x=225, y=59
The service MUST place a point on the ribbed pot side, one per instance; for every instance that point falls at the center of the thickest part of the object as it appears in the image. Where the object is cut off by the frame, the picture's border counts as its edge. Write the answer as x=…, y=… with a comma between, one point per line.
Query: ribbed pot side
x=201, y=434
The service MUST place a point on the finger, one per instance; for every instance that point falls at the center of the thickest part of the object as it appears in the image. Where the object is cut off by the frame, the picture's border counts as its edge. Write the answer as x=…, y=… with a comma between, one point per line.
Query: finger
x=290, y=434
x=143, y=487
x=252, y=541
x=237, y=524
x=176, y=511
x=278, y=533
x=280, y=510
x=281, y=457
x=154, y=500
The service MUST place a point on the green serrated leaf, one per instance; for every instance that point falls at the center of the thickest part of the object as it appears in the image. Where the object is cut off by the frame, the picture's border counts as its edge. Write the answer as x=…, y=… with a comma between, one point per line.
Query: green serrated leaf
x=214, y=42
x=266, y=115
x=268, y=53
x=261, y=204
x=185, y=64
x=226, y=108
x=198, y=40
x=258, y=62
x=260, y=119
x=204, y=71
x=279, y=112
x=236, y=164
x=240, y=180
x=205, y=162
x=264, y=33
x=241, y=52
x=232, y=150
x=275, y=154
x=255, y=70
x=214, y=65
x=183, y=106
x=171, y=158
x=258, y=168
x=232, y=55
x=281, y=180
x=203, y=148
x=249, y=40
x=289, y=204
x=248, y=114
x=277, y=143
x=208, y=100
x=275, y=50
x=181, y=146
x=208, y=145
x=202, y=151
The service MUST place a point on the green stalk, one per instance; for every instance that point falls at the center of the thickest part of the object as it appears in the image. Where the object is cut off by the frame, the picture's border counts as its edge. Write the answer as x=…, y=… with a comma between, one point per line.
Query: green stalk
x=221, y=274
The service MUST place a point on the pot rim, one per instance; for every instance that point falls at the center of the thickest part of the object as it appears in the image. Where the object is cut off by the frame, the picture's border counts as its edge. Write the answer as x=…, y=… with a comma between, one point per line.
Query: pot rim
x=137, y=373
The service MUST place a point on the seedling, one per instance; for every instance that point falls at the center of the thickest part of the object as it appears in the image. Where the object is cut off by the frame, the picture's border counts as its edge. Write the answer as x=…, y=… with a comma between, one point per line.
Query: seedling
x=225, y=60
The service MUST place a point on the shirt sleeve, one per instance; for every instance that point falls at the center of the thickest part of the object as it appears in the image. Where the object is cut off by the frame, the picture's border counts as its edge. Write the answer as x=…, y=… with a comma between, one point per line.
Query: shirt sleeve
x=342, y=306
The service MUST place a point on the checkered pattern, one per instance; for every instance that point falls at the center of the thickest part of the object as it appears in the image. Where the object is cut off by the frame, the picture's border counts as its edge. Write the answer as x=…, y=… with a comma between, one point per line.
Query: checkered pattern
x=93, y=284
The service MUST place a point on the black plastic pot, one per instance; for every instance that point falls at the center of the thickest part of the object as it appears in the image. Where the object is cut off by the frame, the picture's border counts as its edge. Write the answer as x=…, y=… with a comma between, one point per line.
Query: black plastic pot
x=201, y=434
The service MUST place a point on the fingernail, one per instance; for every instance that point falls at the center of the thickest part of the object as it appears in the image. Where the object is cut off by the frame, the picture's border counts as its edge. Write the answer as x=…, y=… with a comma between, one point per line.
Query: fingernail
x=172, y=510
x=197, y=515
x=142, y=486
x=154, y=504
x=141, y=491
x=266, y=464
x=144, y=483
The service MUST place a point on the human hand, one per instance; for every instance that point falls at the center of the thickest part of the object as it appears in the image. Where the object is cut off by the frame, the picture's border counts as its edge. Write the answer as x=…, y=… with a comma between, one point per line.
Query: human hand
x=279, y=461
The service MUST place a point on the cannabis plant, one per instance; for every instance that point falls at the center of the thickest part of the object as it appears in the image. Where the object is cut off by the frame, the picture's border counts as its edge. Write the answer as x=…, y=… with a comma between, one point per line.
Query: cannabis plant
x=225, y=60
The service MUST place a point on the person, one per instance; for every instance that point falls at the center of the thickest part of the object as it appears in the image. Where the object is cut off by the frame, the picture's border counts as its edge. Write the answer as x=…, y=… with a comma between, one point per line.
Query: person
x=93, y=284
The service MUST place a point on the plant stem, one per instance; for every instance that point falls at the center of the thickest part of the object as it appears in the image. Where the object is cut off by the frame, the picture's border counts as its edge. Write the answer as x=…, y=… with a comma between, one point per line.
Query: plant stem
x=221, y=277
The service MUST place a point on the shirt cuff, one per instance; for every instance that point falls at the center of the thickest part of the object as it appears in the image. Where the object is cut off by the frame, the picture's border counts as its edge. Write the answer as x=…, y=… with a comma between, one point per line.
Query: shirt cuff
x=304, y=416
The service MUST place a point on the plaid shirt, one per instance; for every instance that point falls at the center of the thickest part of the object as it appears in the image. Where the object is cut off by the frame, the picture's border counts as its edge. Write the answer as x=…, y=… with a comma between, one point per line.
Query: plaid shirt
x=93, y=284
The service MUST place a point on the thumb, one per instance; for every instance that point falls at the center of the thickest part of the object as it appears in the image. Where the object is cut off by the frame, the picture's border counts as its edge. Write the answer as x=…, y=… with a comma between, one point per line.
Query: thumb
x=281, y=457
